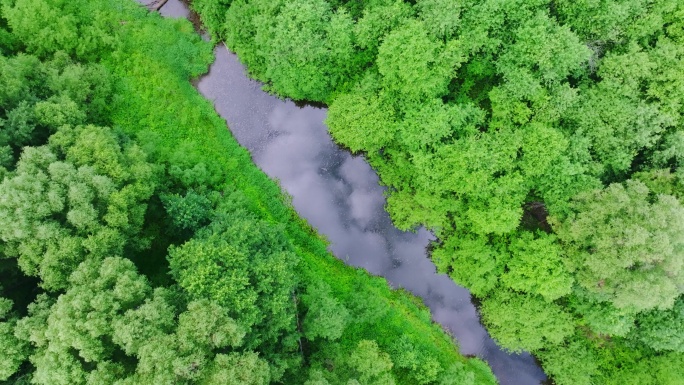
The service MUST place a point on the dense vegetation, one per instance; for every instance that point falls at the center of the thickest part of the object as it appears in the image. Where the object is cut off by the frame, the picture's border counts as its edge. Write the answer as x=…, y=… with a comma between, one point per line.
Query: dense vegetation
x=140, y=245
x=542, y=141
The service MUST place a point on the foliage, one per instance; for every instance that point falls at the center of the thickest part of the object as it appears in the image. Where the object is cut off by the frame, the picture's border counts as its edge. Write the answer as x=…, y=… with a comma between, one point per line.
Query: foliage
x=248, y=267
x=156, y=251
x=326, y=317
x=38, y=97
x=662, y=330
x=623, y=243
x=14, y=350
x=541, y=141
x=109, y=310
x=82, y=196
x=522, y=321
x=536, y=267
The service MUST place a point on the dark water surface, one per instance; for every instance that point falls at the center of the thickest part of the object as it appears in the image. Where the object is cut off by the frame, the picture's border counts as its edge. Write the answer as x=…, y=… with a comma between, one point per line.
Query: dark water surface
x=340, y=196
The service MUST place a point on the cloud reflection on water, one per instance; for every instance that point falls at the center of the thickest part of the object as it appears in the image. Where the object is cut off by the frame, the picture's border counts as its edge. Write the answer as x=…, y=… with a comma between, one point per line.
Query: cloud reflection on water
x=339, y=195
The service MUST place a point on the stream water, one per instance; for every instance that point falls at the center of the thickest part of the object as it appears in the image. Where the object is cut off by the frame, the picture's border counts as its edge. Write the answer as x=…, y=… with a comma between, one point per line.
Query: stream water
x=340, y=195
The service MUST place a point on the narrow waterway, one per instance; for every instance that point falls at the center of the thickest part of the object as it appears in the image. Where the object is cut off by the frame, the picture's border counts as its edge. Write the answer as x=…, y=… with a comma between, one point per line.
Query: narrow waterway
x=340, y=196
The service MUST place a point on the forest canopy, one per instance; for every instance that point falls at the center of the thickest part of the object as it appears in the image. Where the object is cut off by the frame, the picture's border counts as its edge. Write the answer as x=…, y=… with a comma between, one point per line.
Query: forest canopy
x=541, y=141
x=139, y=244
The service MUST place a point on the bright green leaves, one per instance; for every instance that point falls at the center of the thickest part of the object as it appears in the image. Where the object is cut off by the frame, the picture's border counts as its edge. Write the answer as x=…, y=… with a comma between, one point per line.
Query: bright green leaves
x=623, y=243
x=379, y=18
x=101, y=291
x=206, y=326
x=571, y=364
x=532, y=264
x=361, y=122
x=424, y=368
x=525, y=322
x=78, y=324
x=41, y=26
x=110, y=310
x=213, y=14
x=472, y=262
x=15, y=351
x=303, y=48
x=441, y=17
x=601, y=317
x=44, y=27
x=39, y=97
x=217, y=269
x=429, y=124
x=81, y=196
x=534, y=69
x=247, y=267
x=614, y=117
x=412, y=66
x=536, y=267
x=665, y=82
x=238, y=369
x=543, y=52
x=297, y=53
x=371, y=364
x=190, y=211
x=366, y=364
x=16, y=77
x=602, y=21
x=542, y=147
x=137, y=326
x=326, y=317
x=188, y=354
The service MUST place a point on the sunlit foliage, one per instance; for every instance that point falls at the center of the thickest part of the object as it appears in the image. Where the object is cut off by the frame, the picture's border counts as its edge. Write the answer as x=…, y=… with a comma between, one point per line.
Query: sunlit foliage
x=140, y=244
x=540, y=140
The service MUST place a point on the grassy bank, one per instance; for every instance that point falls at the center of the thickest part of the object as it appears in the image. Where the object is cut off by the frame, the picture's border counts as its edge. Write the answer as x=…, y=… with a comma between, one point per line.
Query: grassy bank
x=214, y=235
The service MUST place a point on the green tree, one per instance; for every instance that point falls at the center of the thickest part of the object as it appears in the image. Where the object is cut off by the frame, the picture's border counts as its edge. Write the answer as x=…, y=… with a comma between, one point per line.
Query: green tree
x=536, y=267
x=78, y=325
x=623, y=242
x=246, y=266
x=238, y=369
x=613, y=115
x=662, y=330
x=573, y=363
x=442, y=17
x=603, y=318
x=110, y=326
x=296, y=54
x=472, y=262
x=188, y=212
x=413, y=65
x=15, y=351
x=47, y=26
x=361, y=122
x=371, y=364
x=377, y=19
x=39, y=97
x=525, y=322
x=326, y=317
x=83, y=195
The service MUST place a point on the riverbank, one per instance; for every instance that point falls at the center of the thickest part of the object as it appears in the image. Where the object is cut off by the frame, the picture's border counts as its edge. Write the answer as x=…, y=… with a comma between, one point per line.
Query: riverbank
x=341, y=197
x=479, y=135
x=148, y=246
x=187, y=119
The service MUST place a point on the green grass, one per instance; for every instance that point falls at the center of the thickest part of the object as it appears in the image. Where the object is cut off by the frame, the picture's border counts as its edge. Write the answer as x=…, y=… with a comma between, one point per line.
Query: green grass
x=157, y=100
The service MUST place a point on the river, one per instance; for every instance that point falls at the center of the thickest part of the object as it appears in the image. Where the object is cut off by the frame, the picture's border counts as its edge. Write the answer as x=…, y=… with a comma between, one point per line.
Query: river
x=339, y=194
